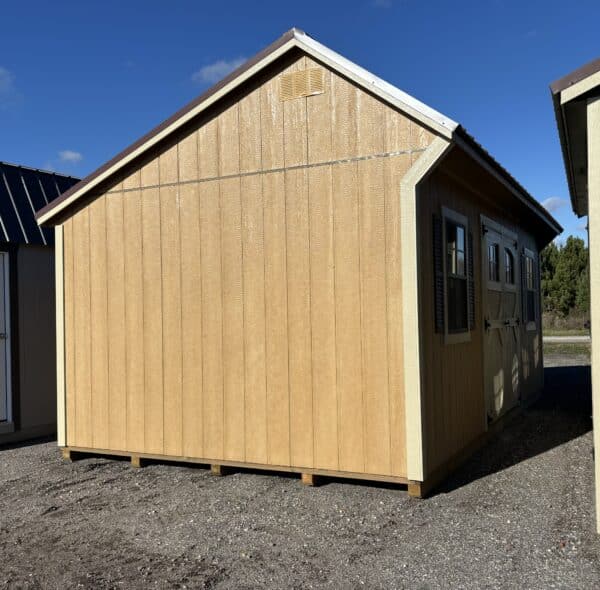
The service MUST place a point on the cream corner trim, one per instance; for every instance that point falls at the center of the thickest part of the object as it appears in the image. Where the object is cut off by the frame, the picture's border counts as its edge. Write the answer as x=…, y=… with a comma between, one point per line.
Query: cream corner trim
x=61, y=418
x=415, y=455
x=593, y=135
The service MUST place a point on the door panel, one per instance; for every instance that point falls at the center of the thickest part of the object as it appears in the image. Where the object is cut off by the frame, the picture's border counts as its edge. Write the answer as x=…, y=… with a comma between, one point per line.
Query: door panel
x=501, y=320
x=4, y=408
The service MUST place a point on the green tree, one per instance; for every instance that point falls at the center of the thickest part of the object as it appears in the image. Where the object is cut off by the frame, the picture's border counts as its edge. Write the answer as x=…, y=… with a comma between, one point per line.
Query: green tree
x=548, y=260
x=570, y=265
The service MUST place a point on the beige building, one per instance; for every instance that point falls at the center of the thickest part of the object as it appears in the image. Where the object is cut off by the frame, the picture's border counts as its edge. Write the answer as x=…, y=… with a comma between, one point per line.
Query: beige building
x=306, y=270
x=577, y=106
x=27, y=327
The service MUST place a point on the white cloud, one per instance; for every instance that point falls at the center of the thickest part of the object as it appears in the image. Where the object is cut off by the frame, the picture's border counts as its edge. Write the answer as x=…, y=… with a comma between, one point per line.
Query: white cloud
x=554, y=203
x=70, y=156
x=214, y=72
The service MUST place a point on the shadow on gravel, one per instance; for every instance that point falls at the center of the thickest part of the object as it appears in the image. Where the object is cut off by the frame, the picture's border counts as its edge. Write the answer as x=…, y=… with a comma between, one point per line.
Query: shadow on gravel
x=562, y=413
x=27, y=443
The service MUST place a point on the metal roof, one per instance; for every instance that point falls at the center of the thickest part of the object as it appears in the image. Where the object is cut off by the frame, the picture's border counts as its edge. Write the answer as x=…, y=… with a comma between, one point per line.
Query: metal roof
x=23, y=192
x=569, y=95
x=294, y=38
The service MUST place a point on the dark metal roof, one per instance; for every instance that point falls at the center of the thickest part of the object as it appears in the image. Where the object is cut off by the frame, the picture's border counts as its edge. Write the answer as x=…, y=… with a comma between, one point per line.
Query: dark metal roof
x=576, y=76
x=23, y=192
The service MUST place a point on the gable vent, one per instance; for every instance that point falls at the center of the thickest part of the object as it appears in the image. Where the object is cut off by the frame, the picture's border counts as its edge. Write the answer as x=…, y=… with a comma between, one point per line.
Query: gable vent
x=302, y=83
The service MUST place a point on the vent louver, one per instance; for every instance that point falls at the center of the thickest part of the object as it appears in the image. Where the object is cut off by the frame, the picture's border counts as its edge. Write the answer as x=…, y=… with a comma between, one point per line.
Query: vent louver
x=302, y=83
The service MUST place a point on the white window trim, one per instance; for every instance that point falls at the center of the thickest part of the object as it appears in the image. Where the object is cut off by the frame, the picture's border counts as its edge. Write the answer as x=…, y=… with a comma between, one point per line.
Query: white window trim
x=532, y=326
x=458, y=337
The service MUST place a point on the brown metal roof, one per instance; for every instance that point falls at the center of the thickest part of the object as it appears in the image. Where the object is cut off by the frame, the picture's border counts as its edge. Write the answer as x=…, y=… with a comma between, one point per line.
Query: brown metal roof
x=575, y=76
x=23, y=191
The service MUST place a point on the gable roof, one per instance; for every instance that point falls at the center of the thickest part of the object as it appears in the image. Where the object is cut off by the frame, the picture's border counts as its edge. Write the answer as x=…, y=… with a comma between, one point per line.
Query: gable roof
x=569, y=95
x=295, y=38
x=23, y=191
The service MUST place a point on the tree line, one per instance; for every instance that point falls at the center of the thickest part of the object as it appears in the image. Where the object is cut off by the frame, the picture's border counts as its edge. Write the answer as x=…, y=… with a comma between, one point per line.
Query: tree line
x=565, y=279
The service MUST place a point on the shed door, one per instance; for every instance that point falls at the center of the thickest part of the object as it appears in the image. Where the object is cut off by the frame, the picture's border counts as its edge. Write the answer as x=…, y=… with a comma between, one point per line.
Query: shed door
x=4, y=325
x=501, y=319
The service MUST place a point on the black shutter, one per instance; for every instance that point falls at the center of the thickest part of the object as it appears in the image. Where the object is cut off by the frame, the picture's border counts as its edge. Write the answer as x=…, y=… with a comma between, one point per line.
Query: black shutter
x=471, y=279
x=438, y=273
x=524, y=289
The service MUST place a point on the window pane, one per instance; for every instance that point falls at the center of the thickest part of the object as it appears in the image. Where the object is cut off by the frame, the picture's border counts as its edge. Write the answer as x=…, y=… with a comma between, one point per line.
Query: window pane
x=509, y=267
x=460, y=263
x=455, y=249
x=457, y=305
x=531, y=306
x=493, y=270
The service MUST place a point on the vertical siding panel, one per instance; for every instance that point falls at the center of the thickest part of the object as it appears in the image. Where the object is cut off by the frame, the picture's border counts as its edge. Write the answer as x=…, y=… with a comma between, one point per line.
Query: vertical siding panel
x=394, y=169
x=134, y=319
x=299, y=326
x=343, y=118
x=295, y=125
x=188, y=157
x=149, y=174
x=99, y=321
x=83, y=379
x=115, y=274
x=278, y=402
x=229, y=141
x=70, y=331
x=374, y=340
x=233, y=319
x=212, y=320
x=191, y=312
x=250, y=132
x=208, y=152
x=153, y=316
x=271, y=125
x=397, y=131
x=254, y=319
x=347, y=314
x=168, y=165
x=171, y=315
x=370, y=124
x=319, y=119
x=132, y=181
x=322, y=293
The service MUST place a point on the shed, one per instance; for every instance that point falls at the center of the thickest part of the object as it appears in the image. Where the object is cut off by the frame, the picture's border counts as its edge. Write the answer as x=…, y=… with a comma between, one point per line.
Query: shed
x=305, y=269
x=576, y=99
x=27, y=316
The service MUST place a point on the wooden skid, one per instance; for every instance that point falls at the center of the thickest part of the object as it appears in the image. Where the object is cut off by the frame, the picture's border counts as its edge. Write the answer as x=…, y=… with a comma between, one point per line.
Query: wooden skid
x=309, y=476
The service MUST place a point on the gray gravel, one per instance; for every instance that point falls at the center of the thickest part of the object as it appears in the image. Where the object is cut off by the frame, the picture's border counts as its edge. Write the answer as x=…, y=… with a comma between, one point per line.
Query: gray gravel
x=517, y=515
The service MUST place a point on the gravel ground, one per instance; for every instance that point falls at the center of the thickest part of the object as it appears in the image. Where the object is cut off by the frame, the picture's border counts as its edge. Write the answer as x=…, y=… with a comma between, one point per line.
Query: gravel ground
x=517, y=515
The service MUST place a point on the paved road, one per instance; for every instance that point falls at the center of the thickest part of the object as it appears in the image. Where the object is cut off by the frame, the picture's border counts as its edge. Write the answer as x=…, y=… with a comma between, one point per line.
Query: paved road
x=566, y=339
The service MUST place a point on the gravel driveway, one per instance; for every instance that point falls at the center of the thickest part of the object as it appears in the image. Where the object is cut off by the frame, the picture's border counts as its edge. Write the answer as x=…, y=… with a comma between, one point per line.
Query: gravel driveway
x=517, y=515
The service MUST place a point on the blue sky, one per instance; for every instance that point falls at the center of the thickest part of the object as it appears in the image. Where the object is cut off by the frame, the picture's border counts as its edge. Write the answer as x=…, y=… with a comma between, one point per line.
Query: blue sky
x=79, y=81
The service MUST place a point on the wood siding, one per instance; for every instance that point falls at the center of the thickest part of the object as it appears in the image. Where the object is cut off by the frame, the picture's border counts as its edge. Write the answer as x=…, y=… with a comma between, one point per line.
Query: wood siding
x=452, y=374
x=237, y=296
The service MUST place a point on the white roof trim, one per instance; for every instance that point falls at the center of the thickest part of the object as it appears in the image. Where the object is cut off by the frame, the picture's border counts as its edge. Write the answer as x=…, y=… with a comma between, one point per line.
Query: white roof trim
x=387, y=92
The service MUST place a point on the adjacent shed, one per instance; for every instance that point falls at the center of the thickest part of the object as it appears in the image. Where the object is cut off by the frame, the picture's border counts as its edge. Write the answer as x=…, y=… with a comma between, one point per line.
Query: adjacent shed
x=27, y=316
x=576, y=99
x=305, y=269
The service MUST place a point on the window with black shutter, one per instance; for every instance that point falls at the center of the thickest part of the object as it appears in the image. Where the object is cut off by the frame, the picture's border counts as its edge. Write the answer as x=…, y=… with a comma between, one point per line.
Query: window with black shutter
x=454, y=289
x=530, y=293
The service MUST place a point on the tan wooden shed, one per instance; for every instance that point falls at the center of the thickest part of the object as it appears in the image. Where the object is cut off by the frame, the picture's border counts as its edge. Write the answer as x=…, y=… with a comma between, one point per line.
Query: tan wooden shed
x=303, y=270
x=27, y=334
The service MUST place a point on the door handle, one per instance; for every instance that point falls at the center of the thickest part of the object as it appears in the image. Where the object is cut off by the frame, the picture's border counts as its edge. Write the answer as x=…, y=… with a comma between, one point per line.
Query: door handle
x=487, y=324
x=3, y=336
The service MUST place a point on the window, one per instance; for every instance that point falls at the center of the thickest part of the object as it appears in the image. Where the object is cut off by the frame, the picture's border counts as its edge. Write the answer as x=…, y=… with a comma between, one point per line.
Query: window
x=509, y=267
x=530, y=303
x=456, y=278
x=493, y=263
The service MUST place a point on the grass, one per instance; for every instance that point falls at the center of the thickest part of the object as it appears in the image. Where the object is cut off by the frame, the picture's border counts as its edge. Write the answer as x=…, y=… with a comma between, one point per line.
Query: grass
x=573, y=332
x=575, y=349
